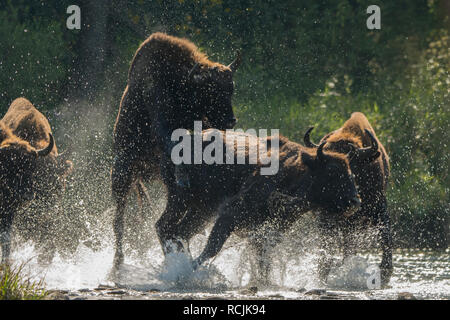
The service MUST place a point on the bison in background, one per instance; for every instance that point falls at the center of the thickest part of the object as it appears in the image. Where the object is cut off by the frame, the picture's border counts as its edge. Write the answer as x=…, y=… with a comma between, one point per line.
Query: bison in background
x=32, y=173
x=370, y=165
x=170, y=85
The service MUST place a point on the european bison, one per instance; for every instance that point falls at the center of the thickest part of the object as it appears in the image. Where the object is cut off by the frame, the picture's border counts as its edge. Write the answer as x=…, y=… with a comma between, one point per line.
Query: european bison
x=31, y=171
x=188, y=210
x=170, y=85
x=370, y=164
x=255, y=205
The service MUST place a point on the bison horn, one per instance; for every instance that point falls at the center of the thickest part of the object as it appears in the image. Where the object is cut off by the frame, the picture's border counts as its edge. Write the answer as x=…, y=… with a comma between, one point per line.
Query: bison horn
x=307, y=141
x=191, y=73
x=320, y=155
x=236, y=63
x=371, y=151
x=45, y=152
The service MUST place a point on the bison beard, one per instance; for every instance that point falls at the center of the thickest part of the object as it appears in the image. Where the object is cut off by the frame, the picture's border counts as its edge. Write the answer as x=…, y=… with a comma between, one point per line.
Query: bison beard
x=370, y=164
x=253, y=205
x=170, y=85
x=31, y=173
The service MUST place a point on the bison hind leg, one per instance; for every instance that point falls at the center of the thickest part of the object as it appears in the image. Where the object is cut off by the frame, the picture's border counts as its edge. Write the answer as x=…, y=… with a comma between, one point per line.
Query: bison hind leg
x=263, y=249
x=329, y=243
x=142, y=196
x=121, y=182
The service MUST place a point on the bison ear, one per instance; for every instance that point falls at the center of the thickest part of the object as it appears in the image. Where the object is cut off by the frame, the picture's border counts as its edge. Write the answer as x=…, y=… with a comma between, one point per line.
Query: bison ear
x=309, y=160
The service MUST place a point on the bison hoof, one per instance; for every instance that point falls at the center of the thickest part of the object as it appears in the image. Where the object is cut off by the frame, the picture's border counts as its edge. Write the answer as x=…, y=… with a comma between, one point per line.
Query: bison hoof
x=176, y=246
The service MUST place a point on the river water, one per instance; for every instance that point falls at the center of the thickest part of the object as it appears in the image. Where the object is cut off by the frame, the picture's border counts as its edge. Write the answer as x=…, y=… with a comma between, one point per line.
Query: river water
x=417, y=274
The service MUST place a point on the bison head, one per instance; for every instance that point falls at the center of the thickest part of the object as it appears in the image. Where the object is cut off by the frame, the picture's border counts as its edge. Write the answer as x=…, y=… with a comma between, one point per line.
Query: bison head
x=355, y=153
x=18, y=161
x=212, y=92
x=333, y=186
x=366, y=155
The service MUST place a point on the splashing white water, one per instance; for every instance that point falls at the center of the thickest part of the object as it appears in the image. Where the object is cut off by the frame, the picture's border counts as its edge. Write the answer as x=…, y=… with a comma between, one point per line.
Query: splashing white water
x=178, y=270
x=352, y=274
x=86, y=269
x=424, y=275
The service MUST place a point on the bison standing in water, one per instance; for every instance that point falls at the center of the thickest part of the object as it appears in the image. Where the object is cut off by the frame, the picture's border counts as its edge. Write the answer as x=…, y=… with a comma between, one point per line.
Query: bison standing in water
x=254, y=205
x=370, y=164
x=170, y=85
x=31, y=173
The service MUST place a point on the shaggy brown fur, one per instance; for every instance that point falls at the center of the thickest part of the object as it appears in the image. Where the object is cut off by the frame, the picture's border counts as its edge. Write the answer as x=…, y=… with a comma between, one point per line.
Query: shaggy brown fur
x=31, y=171
x=170, y=85
x=8, y=140
x=161, y=57
x=371, y=174
x=250, y=204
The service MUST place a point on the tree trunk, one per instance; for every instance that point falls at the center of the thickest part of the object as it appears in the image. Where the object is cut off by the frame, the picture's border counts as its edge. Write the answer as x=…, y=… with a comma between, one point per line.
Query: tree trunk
x=93, y=48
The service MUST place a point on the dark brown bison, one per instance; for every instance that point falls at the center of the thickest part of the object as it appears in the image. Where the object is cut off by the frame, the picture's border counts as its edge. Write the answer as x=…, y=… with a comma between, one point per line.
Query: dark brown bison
x=31, y=171
x=370, y=164
x=170, y=85
x=255, y=205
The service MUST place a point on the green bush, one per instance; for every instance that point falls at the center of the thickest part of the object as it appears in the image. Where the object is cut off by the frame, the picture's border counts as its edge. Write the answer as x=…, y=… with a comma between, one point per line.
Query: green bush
x=35, y=57
x=411, y=118
x=308, y=63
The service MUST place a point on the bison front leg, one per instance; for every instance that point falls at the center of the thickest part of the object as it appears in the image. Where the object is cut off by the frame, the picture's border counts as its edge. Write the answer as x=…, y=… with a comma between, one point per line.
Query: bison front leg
x=121, y=178
x=386, y=266
x=166, y=225
x=6, y=220
x=192, y=223
x=46, y=244
x=263, y=250
x=327, y=245
x=349, y=241
x=221, y=231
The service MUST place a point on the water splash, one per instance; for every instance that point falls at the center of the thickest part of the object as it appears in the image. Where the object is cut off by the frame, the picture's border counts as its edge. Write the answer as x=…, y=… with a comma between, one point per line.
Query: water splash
x=178, y=271
x=423, y=274
x=352, y=274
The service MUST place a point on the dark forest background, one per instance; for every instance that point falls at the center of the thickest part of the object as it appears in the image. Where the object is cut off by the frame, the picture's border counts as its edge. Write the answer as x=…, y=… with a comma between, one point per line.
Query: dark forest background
x=306, y=63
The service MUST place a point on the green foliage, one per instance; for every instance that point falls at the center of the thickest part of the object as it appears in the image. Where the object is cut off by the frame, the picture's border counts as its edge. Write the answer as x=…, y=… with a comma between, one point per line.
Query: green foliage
x=35, y=57
x=306, y=63
x=291, y=48
x=419, y=124
x=15, y=285
x=411, y=118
